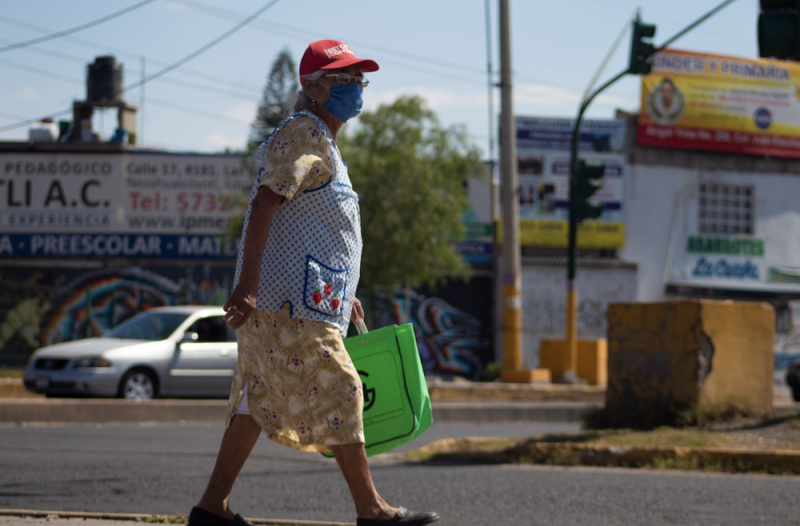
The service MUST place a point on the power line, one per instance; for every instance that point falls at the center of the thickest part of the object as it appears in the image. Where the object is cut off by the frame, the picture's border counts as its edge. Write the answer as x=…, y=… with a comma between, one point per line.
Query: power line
x=11, y=116
x=106, y=49
x=176, y=82
x=157, y=102
x=172, y=66
x=302, y=35
x=202, y=49
x=270, y=28
x=195, y=111
x=230, y=14
x=75, y=29
x=40, y=71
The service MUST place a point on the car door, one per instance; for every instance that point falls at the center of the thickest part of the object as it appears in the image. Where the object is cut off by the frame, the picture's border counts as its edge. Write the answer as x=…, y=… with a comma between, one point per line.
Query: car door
x=205, y=360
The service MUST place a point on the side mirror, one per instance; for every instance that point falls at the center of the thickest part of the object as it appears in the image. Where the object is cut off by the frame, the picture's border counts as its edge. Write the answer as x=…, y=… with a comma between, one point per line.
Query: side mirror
x=189, y=337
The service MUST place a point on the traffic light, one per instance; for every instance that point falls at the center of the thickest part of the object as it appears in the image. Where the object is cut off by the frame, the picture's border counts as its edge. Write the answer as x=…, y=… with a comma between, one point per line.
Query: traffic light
x=586, y=184
x=640, y=49
x=779, y=29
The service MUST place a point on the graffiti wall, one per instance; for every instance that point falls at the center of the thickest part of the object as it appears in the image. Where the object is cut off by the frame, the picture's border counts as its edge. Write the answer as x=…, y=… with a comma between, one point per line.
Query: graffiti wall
x=46, y=306
x=453, y=325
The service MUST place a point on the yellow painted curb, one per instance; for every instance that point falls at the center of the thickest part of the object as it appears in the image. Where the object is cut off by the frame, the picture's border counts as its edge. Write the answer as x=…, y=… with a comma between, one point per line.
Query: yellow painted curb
x=463, y=391
x=533, y=452
x=138, y=517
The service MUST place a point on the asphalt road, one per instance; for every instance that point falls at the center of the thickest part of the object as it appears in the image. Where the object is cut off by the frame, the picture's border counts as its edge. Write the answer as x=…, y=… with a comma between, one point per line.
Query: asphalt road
x=163, y=469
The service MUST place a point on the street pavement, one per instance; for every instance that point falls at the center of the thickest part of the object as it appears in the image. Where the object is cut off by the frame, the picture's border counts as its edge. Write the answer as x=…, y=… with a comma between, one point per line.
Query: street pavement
x=163, y=469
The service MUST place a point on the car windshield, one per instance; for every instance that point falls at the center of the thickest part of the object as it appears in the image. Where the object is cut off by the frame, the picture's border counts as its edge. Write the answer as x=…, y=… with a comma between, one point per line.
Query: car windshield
x=152, y=326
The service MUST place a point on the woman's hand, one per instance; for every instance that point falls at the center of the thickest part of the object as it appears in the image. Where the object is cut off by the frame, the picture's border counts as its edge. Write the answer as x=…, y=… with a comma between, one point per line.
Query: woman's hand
x=358, y=311
x=240, y=305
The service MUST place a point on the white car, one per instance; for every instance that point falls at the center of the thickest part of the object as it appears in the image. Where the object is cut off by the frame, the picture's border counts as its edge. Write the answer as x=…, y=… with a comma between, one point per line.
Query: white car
x=163, y=352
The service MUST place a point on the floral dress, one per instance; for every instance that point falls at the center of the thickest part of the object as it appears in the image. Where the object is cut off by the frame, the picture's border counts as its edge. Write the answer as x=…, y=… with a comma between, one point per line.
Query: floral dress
x=300, y=383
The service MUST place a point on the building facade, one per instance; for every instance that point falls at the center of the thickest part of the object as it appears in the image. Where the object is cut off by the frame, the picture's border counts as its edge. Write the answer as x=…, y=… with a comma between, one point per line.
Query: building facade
x=716, y=225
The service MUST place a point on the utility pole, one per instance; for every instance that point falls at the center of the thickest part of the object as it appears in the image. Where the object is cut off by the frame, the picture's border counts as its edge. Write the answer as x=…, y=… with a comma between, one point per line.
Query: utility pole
x=512, y=275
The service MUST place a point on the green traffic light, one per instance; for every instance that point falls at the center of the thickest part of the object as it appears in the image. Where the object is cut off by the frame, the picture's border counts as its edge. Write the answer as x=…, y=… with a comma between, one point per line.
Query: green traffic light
x=641, y=50
x=779, y=29
x=586, y=185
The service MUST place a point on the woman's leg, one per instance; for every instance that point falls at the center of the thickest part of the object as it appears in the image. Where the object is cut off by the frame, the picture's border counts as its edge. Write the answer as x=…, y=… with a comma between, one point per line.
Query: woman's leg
x=237, y=443
x=352, y=460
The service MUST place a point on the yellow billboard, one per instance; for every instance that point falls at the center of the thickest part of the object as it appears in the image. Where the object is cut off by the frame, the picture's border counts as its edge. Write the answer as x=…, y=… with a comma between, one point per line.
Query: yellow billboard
x=713, y=102
x=553, y=234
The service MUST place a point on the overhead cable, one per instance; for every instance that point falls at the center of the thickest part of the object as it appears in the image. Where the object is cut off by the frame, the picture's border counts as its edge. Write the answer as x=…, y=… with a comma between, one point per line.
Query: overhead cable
x=167, y=69
x=81, y=27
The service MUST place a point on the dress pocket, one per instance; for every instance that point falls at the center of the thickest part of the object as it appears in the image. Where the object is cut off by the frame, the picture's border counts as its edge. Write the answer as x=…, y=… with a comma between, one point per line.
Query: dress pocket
x=325, y=287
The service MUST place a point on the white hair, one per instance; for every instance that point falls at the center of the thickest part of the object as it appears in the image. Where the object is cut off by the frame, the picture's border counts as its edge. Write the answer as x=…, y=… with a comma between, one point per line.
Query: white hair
x=313, y=76
x=302, y=97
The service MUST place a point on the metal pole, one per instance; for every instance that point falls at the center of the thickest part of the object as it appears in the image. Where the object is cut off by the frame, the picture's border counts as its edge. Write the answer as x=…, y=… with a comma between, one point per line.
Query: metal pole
x=140, y=141
x=497, y=293
x=512, y=276
x=570, y=374
x=490, y=81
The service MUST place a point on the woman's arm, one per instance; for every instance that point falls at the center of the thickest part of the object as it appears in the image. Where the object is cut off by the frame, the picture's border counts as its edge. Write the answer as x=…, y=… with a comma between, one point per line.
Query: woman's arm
x=242, y=302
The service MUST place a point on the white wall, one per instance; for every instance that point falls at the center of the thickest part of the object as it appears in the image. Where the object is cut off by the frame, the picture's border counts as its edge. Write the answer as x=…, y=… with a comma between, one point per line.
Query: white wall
x=545, y=297
x=662, y=201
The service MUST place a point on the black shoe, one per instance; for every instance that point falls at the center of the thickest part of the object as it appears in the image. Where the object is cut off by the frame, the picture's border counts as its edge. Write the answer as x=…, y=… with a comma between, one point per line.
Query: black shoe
x=405, y=517
x=201, y=517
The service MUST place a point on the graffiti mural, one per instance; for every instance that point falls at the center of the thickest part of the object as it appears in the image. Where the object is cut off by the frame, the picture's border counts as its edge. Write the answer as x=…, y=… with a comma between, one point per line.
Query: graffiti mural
x=45, y=307
x=453, y=327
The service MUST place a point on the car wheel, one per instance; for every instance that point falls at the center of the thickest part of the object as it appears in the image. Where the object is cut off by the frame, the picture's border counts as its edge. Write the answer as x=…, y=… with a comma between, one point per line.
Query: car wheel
x=138, y=384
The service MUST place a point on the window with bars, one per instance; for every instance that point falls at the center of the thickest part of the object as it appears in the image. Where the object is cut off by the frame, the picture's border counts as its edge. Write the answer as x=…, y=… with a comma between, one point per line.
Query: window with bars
x=726, y=209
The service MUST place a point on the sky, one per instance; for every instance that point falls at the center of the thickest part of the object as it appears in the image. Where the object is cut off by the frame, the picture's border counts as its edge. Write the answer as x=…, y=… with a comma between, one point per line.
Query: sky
x=436, y=49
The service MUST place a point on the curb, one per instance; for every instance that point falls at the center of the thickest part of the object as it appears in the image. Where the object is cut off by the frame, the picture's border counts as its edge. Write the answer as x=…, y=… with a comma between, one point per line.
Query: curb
x=139, y=517
x=18, y=410
x=571, y=412
x=461, y=391
x=92, y=410
x=532, y=452
x=465, y=391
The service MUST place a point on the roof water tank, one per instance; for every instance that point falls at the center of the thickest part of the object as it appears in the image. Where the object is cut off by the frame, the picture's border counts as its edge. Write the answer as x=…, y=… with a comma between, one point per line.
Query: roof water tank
x=104, y=81
x=43, y=131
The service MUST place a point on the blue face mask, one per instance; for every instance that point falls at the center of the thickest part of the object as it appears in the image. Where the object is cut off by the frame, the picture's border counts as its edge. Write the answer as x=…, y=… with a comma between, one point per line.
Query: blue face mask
x=345, y=101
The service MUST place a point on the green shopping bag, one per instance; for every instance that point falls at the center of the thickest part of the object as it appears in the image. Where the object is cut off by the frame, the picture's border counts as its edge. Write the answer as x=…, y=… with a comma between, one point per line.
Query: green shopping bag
x=397, y=407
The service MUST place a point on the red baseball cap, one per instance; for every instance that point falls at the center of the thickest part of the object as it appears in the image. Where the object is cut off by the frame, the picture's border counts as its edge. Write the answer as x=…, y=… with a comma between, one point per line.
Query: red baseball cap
x=332, y=54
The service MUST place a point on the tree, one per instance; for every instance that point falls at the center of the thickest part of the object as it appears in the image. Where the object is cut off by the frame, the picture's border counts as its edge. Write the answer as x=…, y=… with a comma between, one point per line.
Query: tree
x=278, y=99
x=277, y=103
x=410, y=174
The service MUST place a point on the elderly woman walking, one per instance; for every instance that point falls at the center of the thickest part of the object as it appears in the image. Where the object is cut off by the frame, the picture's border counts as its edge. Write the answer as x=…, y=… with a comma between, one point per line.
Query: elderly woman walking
x=294, y=297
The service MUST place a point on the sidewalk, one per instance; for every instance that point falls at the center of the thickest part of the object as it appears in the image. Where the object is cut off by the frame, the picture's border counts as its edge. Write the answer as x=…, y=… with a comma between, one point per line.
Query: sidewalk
x=69, y=518
x=453, y=401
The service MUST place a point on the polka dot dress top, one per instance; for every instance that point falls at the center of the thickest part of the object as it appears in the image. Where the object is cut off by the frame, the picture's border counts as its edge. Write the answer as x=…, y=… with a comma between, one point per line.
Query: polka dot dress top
x=313, y=255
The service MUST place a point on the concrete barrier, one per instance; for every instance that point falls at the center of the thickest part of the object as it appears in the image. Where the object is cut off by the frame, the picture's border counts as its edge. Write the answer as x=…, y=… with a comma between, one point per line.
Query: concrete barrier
x=665, y=357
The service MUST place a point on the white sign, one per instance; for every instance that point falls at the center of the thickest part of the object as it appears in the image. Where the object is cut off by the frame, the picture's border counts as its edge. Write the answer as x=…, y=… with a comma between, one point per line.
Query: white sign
x=544, y=165
x=730, y=262
x=124, y=204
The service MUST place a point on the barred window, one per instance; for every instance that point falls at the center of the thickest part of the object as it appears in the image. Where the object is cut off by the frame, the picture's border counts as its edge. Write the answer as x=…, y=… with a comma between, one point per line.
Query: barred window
x=726, y=209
